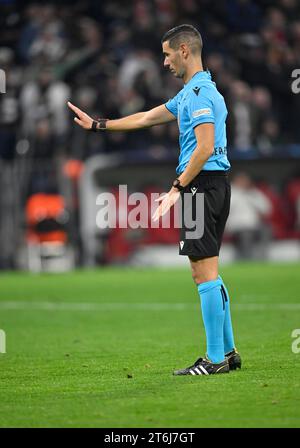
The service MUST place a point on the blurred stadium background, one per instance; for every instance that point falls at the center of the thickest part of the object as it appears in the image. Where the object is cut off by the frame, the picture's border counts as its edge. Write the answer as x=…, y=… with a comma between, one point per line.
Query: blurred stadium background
x=106, y=58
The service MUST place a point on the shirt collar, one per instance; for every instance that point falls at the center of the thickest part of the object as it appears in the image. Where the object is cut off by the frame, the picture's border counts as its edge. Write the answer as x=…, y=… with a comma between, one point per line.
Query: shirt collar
x=203, y=74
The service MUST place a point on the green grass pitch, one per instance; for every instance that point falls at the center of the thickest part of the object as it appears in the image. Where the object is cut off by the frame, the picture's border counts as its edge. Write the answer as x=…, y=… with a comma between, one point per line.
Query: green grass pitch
x=97, y=349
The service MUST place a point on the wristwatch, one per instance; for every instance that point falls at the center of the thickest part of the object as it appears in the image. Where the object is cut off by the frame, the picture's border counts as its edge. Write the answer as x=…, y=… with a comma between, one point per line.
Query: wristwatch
x=176, y=184
x=99, y=125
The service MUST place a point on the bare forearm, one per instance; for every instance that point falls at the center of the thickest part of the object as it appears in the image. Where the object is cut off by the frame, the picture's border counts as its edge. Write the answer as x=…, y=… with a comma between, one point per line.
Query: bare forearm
x=129, y=123
x=153, y=117
x=157, y=115
x=195, y=165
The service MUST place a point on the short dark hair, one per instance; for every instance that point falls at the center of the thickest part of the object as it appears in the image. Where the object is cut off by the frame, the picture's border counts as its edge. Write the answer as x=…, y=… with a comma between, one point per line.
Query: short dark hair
x=184, y=33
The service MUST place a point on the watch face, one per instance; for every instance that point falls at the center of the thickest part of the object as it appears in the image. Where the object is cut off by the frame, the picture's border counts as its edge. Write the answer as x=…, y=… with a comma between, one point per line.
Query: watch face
x=176, y=184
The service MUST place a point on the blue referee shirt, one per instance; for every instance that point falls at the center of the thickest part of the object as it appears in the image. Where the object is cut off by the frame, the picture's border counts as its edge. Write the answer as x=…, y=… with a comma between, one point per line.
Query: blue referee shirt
x=200, y=102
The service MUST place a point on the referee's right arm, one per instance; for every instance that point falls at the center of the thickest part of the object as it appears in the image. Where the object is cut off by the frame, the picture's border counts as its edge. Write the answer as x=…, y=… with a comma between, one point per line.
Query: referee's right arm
x=140, y=120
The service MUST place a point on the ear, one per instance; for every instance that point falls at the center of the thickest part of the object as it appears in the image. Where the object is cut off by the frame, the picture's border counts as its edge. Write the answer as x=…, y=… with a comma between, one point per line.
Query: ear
x=185, y=51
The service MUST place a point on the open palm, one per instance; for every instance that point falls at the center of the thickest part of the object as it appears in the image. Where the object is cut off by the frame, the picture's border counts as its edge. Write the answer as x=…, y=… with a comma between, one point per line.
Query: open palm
x=166, y=202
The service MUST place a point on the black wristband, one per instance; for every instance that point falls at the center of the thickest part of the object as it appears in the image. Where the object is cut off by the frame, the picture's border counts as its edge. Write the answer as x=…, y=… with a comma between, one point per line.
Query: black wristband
x=99, y=125
x=102, y=123
x=176, y=184
x=94, y=126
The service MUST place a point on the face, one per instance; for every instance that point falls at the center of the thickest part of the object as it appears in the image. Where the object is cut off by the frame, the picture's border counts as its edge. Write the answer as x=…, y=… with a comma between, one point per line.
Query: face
x=173, y=60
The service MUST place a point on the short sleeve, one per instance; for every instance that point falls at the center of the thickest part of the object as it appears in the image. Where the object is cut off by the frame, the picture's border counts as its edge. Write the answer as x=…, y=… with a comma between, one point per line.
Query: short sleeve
x=172, y=105
x=201, y=106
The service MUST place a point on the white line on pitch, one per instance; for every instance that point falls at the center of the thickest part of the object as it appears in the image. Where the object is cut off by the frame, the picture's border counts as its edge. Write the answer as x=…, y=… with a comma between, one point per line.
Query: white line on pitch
x=151, y=306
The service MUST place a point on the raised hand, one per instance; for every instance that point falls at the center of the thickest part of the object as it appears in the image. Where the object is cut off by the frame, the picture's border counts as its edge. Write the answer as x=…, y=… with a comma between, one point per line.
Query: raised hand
x=82, y=119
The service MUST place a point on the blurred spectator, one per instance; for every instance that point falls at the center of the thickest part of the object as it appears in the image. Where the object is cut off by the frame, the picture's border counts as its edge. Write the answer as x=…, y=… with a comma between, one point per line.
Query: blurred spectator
x=120, y=43
x=42, y=144
x=9, y=108
x=262, y=101
x=43, y=97
x=42, y=37
x=140, y=61
x=241, y=116
x=267, y=126
x=269, y=136
x=249, y=207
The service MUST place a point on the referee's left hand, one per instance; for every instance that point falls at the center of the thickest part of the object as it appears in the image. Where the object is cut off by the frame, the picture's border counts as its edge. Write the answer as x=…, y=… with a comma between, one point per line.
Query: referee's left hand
x=166, y=202
x=83, y=119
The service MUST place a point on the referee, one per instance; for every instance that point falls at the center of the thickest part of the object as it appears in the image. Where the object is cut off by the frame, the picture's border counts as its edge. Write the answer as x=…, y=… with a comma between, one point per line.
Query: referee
x=201, y=113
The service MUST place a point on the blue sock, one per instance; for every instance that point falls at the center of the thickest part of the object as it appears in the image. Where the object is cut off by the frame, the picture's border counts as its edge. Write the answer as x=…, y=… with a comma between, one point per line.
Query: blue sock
x=228, y=331
x=213, y=313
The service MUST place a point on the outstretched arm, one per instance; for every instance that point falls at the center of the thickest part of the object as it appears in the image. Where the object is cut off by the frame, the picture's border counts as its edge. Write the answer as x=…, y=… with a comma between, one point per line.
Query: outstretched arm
x=157, y=115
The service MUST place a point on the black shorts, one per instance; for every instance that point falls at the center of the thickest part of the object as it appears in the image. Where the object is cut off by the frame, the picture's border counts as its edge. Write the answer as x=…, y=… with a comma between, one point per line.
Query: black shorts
x=216, y=204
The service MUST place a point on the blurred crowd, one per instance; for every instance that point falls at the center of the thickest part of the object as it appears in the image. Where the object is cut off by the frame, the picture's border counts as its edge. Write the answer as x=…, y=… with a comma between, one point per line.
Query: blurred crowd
x=106, y=57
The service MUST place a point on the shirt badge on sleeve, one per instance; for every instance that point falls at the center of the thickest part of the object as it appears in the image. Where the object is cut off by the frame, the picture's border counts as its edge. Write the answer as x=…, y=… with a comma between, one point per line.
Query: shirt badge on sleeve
x=199, y=112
